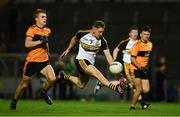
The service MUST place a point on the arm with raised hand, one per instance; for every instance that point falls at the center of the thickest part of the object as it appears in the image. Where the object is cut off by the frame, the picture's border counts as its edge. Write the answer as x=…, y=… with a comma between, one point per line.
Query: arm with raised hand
x=108, y=56
x=71, y=44
x=115, y=53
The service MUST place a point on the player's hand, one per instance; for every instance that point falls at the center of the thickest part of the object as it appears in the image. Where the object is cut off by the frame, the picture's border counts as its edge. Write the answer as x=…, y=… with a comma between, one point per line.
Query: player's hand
x=44, y=40
x=64, y=54
x=130, y=82
x=131, y=85
x=144, y=70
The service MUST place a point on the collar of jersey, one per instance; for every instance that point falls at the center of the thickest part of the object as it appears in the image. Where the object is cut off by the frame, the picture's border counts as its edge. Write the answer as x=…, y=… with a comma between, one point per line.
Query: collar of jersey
x=93, y=36
x=39, y=27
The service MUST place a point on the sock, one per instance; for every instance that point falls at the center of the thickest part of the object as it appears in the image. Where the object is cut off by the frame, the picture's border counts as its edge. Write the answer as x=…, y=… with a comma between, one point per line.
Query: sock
x=14, y=101
x=142, y=102
x=44, y=91
x=66, y=76
x=112, y=86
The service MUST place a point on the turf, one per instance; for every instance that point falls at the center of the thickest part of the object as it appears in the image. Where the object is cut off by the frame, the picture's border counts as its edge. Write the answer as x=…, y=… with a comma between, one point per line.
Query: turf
x=93, y=108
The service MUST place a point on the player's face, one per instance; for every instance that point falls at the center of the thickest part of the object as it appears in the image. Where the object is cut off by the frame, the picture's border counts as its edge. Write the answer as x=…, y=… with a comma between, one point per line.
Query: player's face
x=133, y=34
x=98, y=32
x=145, y=35
x=41, y=19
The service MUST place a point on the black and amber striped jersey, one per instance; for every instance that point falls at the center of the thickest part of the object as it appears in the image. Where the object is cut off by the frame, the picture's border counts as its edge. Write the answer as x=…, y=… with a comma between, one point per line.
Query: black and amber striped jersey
x=141, y=51
x=89, y=45
x=40, y=52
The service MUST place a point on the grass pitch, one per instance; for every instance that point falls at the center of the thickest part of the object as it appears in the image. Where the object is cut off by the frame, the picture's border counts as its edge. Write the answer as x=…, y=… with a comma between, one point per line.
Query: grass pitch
x=78, y=108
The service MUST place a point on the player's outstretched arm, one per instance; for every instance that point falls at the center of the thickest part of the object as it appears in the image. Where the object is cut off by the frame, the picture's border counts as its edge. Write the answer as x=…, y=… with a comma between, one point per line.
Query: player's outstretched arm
x=108, y=56
x=115, y=53
x=71, y=44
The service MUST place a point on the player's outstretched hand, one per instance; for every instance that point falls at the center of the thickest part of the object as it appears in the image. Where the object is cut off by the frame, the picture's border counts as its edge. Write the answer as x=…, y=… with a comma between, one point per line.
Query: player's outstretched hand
x=64, y=54
x=144, y=70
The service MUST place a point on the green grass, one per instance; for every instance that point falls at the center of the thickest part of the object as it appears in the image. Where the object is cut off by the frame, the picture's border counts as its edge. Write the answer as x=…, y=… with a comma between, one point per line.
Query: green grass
x=70, y=108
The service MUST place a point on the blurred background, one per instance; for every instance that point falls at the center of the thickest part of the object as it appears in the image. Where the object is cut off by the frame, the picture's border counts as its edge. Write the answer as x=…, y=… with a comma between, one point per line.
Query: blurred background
x=66, y=17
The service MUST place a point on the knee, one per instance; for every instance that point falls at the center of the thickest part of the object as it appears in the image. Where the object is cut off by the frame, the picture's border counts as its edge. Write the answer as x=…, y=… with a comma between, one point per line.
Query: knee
x=139, y=90
x=81, y=85
x=146, y=90
x=24, y=85
x=52, y=80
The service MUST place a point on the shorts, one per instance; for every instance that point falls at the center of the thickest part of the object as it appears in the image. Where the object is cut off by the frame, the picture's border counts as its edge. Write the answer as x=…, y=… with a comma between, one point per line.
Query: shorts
x=126, y=70
x=138, y=74
x=30, y=68
x=81, y=65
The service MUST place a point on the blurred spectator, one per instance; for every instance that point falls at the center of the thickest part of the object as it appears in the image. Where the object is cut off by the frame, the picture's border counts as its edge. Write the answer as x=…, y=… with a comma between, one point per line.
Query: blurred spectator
x=2, y=43
x=172, y=93
x=65, y=90
x=160, y=75
x=58, y=65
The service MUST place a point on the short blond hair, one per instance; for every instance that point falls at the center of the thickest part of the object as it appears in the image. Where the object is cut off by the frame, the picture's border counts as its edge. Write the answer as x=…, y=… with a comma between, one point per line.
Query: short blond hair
x=37, y=11
x=99, y=24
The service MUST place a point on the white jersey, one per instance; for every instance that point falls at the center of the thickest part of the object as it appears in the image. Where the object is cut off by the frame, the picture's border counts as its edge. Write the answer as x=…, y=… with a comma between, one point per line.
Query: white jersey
x=126, y=46
x=89, y=46
x=127, y=51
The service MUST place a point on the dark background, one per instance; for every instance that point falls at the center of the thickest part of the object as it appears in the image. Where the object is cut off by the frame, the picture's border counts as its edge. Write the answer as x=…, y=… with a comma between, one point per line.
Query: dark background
x=66, y=17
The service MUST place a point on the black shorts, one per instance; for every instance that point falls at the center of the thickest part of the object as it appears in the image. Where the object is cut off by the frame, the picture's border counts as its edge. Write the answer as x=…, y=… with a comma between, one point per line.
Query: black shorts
x=140, y=74
x=30, y=68
x=81, y=65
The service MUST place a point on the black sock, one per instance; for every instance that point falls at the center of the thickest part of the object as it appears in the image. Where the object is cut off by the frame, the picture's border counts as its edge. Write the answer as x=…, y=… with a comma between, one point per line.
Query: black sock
x=14, y=101
x=142, y=102
x=43, y=91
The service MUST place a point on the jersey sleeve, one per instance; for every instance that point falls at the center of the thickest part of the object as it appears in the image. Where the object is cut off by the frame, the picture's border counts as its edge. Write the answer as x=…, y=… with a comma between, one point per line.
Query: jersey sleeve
x=135, y=50
x=78, y=35
x=30, y=32
x=104, y=44
x=122, y=44
x=48, y=32
x=151, y=45
x=81, y=33
x=119, y=46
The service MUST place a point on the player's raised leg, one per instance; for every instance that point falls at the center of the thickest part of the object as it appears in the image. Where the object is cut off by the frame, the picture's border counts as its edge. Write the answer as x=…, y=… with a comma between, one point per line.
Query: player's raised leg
x=93, y=71
x=121, y=83
x=79, y=81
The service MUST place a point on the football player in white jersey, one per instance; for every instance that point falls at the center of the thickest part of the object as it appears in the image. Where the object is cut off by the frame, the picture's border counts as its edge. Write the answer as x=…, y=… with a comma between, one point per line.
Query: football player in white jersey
x=90, y=42
x=124, y=47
